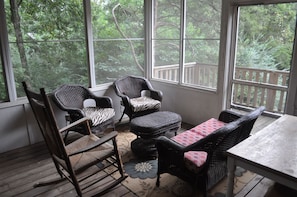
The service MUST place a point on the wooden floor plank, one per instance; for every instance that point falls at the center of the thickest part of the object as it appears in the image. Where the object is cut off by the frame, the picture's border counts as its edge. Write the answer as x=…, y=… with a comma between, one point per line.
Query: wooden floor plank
x=250, y=186
x=26, y=185
x=32, y=168
x=27, y=158
x=261, y=189
x=32, y=175
x=22, y=183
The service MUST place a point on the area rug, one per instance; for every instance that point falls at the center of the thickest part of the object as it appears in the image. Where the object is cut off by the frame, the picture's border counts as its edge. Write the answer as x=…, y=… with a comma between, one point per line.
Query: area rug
x=142, y=176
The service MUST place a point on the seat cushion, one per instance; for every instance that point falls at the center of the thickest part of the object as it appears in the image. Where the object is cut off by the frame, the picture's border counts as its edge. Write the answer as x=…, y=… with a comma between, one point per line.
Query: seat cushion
x=79, y=161
x=195, y=159
x=208, y=127
x=144, y=103
x=196, y=133
x=98, y=115
x=187, y=138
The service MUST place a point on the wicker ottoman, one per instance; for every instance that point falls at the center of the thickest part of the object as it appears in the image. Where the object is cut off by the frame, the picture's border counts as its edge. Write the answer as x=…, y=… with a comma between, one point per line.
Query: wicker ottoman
x=149, y=127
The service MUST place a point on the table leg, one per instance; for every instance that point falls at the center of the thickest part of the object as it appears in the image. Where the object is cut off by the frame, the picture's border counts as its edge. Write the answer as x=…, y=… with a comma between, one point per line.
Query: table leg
x=231, y=170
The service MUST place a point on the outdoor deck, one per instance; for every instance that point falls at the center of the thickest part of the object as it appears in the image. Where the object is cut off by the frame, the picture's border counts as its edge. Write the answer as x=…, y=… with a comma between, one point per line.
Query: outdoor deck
x=22, y=167
x=252, y=87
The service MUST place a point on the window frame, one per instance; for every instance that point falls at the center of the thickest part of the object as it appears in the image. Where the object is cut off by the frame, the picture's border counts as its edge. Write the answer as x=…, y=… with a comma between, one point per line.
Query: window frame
x=232, y=35
x=5, y=54
x=182, y=50
x=228, y=7
x=89, y=46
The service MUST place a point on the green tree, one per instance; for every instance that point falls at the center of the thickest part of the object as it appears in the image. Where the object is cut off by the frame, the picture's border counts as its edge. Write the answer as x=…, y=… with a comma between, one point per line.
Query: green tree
x=46, y=42
x=268, y=39
x=48, y=48
x=118, y=28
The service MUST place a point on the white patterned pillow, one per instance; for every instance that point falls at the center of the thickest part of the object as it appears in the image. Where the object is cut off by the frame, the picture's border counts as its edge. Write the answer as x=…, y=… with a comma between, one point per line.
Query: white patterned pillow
x=98, y=115
x=144, y=103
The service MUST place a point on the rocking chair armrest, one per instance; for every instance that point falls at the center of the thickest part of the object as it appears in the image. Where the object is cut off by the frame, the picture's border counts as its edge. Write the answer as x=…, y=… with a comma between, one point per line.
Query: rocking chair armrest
x=84, y=120
x=97, y=143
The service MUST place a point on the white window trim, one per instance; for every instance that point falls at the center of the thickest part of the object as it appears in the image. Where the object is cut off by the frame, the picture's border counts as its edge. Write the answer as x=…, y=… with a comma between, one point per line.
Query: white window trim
x=89, y=43
x=7, y=65
x=233, y=21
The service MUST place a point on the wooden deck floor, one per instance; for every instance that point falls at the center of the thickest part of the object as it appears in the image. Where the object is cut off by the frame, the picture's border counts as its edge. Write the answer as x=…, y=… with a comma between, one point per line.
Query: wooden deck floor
x=21, y=168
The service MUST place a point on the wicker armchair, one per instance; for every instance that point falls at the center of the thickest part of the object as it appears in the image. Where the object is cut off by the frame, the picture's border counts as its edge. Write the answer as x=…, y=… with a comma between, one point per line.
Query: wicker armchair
x=79, y=102
x=204, y=163
x=138, y=96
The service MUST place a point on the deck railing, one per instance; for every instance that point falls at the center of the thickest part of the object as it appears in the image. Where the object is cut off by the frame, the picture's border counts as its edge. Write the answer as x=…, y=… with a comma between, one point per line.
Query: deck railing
x=251, y=87
x=197, y=74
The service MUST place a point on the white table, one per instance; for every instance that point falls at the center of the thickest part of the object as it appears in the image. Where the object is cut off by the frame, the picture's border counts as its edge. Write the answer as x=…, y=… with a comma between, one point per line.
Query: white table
x=271, y=152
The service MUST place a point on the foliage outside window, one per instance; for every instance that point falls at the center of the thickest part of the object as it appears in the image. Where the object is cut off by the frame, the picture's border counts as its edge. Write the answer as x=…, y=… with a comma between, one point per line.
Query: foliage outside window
x=266, y=43
x=47, y=42
x=191, y=41
x=118, y=33
x=264, y=55
x=3, y=92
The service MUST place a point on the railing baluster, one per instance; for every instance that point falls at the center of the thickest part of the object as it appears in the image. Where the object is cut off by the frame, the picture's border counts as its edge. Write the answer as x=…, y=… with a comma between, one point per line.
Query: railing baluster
x=271, y=93
x=256, y=90
x=284, y=79
x=252, y=93
x=250, y=78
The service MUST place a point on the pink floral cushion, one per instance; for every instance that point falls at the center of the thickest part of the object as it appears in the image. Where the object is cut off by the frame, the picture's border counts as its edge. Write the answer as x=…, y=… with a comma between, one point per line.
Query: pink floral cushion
x=193, y=135
x=208, y=127
x=195, y=159
x=187, y=138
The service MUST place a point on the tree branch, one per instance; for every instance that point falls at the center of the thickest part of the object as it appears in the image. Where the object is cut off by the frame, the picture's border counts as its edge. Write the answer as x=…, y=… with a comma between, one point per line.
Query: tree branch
x=124, y=36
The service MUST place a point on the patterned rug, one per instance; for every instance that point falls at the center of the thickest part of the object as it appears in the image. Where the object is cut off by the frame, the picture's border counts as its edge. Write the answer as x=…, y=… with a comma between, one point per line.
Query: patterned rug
x=142, y=176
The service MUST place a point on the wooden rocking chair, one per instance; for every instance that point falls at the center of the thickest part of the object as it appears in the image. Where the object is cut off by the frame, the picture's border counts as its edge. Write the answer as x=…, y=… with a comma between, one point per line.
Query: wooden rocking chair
x=79, y=156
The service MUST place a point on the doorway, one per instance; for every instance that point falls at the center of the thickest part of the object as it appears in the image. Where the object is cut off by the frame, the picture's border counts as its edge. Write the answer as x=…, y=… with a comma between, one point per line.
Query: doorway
x=263, y=55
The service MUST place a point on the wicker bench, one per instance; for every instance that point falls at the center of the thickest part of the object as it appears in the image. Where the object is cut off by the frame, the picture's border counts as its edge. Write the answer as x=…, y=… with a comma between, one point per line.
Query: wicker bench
x=148, y=128
x=198, y=155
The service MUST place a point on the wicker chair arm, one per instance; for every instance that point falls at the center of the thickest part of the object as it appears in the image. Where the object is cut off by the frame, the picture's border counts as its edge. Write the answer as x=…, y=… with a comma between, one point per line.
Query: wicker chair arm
x=229, y=116
x=170, y=151
x=103, y=101
x=97, y=143
x=157, y=95
x=164, y=142
x=117, y=91
x=205, y=144
x=75, y=113
x=126, y=100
